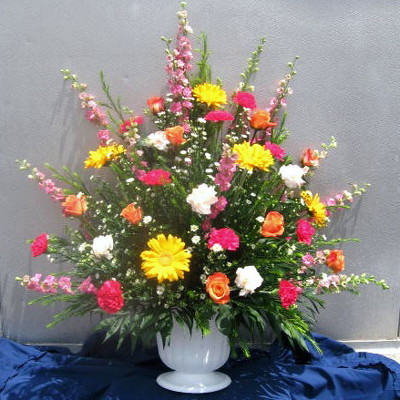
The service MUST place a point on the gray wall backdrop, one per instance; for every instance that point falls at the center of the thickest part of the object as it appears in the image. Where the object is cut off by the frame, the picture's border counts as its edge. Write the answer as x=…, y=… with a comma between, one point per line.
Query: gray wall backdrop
x=347, y=86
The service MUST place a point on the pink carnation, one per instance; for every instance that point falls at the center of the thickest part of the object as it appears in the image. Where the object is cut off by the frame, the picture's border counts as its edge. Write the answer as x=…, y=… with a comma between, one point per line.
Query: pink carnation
x=219, y=115
x=156, y=177
x=245, y=99
x=109, y=297
x=39, y=245
x=276, y=150
x=224, y=237
x=288, y=293
x=304, y=231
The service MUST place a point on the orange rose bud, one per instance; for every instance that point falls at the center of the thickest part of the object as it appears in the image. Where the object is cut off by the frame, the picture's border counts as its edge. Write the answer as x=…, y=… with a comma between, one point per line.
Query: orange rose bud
x=175, y=135
x=335, y=261
x=156, y=104
x=273, y=225
x=217, y=286
x=310, y=158
x=74, y=205
x=133, y=214
x=261, y=119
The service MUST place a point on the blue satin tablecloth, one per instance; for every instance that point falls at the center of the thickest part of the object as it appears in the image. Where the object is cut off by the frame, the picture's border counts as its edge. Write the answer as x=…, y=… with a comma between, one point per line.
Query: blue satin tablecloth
x=98, y=372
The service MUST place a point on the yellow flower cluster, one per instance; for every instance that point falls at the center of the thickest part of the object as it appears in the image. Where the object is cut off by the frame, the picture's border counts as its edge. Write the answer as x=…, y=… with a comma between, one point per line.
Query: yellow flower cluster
x=253, y=156
x=103, y=155
x=210, y=94
x=316, y=208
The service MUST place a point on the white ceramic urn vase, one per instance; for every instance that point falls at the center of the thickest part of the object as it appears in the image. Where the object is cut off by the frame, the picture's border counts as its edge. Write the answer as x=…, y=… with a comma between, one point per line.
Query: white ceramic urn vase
x=194, y=359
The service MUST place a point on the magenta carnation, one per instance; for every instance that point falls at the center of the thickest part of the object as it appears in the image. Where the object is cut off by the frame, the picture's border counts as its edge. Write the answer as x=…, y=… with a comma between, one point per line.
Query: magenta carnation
x=39, y=245
x=156, y=177
x=109, y=297
x=276, y=150
x=224, y=237
x=288, y=293
x=219, y=115
x=245, y=99
x=304, y=231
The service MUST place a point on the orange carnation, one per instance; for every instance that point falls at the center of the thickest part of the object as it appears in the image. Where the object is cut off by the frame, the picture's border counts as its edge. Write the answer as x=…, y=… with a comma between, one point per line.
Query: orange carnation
x=75, y=205
x=217, y=286
x=175, y=135
x=261, y=119
x=133, y=214
x=273, y=225
x=335, y=261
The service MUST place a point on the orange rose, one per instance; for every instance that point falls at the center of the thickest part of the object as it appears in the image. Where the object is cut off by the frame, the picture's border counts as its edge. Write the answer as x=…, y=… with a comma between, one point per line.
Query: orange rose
x=273, y=225
x=175, y=135
x=74, y=205
x=261, y=120
x=217, y=286
x=156, y=104
x=133, y=214
x=335, y=261
x=310, y=158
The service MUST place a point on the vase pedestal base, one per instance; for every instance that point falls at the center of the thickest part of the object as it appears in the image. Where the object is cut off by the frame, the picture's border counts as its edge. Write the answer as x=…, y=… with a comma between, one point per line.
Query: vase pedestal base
x=193, y=383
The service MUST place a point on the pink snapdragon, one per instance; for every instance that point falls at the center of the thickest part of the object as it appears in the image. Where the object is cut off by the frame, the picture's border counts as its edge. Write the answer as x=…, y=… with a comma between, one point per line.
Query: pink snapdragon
x=96, y=115
x=226, y=171
x=50, y=284
x=224, y=238
x=218, y=207
x=47, y=185
x=308, y=260
x=179, y=64
x=87, y=286
x=104, y=136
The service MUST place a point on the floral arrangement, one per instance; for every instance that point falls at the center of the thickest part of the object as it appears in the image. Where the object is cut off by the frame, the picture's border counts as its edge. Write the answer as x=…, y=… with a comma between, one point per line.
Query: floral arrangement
x=206, y=215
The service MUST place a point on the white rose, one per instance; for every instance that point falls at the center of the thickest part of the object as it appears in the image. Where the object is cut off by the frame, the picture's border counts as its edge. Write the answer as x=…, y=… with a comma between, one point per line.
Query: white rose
x=202, y=198
x=248, y=279
x=158, y=140
x=292, y=175
x=102, y=246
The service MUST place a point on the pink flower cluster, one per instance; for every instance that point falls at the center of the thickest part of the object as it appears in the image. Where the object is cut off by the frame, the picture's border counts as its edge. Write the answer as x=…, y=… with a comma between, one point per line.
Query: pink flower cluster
x=93, y=112
x=51, y=284
x=226, y=170
x=339, y=199
x=216, y=208
x=218, y=116
x=225, y=237
x=49, y=186
x=179, y=64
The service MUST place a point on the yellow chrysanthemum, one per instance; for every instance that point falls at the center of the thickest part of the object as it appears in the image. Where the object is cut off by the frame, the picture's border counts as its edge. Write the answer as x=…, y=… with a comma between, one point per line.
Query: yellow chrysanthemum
x=316, y=208
x=167, y=258
x=210, y=94
x=103, y=155
x=253, y=156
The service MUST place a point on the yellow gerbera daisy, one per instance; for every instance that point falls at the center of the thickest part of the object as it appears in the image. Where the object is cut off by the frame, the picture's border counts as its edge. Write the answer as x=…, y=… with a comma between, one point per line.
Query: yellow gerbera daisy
x=103, y=155
x=253, y=156
x=210, y=94
x=167, y=258
x=316, y=208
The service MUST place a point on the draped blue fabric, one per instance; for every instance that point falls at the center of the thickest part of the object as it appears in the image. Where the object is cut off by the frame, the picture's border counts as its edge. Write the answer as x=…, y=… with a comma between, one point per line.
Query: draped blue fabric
x=98, y=372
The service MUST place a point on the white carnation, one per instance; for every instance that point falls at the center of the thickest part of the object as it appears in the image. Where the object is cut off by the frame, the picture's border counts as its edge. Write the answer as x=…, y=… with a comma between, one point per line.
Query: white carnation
x=248, y=279
x=158, y=140
x=202, y=198
x=292, y=175
x=102, y=246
